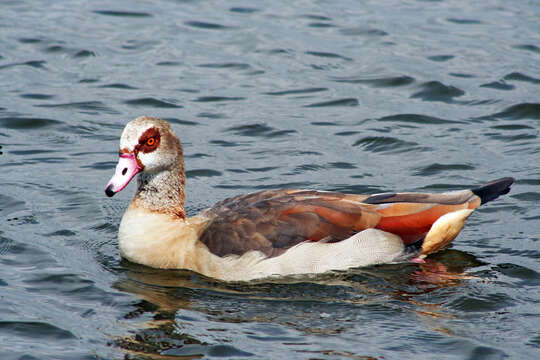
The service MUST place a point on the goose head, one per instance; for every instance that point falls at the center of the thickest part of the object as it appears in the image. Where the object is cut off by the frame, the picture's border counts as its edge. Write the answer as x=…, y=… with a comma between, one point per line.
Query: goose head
x=147, y=145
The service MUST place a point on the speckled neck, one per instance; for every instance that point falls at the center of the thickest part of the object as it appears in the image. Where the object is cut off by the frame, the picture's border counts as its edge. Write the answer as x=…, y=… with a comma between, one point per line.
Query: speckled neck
x=163, y=191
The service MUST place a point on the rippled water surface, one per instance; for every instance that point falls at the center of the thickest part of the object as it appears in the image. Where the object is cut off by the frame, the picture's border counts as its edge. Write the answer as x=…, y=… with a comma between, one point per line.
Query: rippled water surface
x=353, y=96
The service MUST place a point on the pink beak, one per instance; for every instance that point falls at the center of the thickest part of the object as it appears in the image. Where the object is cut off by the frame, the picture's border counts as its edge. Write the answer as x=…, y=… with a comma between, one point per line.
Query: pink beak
x=126, y=169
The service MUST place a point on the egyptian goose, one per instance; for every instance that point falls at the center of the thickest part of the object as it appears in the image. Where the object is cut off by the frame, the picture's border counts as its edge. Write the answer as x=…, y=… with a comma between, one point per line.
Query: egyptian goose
x=274, y=232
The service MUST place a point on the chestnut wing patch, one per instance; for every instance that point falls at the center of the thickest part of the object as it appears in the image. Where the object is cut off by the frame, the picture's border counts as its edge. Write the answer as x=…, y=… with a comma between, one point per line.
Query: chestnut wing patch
x=410, y=215
x=273, y=221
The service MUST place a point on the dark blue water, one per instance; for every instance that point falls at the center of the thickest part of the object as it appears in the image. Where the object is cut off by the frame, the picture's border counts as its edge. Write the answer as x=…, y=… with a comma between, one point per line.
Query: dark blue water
x=352, y=96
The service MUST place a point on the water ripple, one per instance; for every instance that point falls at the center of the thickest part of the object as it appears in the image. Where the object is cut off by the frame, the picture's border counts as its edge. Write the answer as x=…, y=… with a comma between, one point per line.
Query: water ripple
x=218, y=98
x=437, y=168
x=377, y=80
x=198, y=350
x=316, y=17
x=38, y=64
x=441, y=58
x=224, y=143
x=327, y=55
x=169, y=63
x=129, y=14
x=482, y=302
x=418, y=119
x=321, y=25
x=75, y=53
x=528, y=47
x=499, y=85
x=25, y=40
x=35, y=96
x=512, y=127
x=243, y=10
x=137, y=44
x=209, y=115
x=526, y=276
x=512, y=138
x=84, y=53
x=207, y=25
x=516, y=76
x=95, y=106
x=296, y=91
x=363, y=31
x=517, y=112
x=258, y=130
x=341, y=165
x=227, y=65
x=437, y=91
x=384, y=144
x=100, y=165
x=152, y=102
x=464, y=21
x=180, y=121
x=5, y=245
x=304, y=168
x=198, y=173
x=65, y=284
x=27, y=123
x=262, y=169
x=461, y=75
x=118, y=86
x=61, y=233
x=527, y=196
x=10, y=205
x=338, y=102
x=35, y=329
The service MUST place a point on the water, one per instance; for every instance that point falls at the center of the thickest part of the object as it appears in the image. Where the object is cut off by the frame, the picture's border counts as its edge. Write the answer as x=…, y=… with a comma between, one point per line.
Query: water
x=359, y=97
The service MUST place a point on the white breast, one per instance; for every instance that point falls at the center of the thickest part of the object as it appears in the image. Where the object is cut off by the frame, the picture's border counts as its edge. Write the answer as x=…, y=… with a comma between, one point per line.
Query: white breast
x=155, y=239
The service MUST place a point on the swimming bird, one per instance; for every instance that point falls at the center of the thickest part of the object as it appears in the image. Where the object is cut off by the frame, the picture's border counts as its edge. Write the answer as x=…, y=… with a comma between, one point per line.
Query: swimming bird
x=273, y=232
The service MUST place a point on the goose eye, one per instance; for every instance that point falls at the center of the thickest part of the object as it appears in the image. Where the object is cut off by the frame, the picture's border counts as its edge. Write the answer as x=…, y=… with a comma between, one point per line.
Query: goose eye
x=151, y=141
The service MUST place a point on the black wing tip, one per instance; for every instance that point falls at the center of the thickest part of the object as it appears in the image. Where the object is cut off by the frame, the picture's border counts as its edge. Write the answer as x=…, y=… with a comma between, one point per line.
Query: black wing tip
x=494, y=189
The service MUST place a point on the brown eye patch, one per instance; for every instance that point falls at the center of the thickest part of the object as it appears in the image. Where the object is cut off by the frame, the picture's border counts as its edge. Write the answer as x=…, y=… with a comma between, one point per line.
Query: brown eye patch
x=149, y=140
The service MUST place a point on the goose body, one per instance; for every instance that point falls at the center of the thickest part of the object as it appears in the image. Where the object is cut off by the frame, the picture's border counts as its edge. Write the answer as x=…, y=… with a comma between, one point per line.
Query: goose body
x=274, y=232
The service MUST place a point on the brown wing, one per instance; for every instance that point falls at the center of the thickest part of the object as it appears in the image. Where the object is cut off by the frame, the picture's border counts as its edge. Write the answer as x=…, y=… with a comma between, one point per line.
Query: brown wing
x=273, y=221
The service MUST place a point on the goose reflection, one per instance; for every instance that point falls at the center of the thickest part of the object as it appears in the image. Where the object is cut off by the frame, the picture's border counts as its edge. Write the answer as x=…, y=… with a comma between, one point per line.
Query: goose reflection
x=171, y=301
